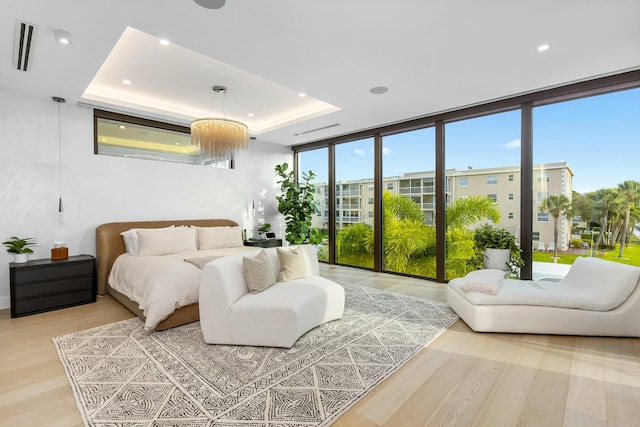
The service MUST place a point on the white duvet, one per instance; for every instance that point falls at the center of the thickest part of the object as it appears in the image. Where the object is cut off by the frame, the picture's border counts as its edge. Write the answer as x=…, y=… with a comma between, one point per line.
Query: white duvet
x=162, y=284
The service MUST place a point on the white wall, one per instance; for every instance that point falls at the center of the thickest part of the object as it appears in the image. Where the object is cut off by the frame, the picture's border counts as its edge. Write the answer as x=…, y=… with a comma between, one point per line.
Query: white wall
x=99, y=189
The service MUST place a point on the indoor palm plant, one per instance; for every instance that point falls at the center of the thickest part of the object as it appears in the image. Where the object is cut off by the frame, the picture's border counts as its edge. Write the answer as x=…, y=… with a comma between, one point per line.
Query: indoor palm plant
x=19, y=247
x=487, y=239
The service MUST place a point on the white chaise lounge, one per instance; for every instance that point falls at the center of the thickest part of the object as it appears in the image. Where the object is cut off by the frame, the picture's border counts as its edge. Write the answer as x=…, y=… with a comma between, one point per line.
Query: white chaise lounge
x=274, y=317
x=596, y=297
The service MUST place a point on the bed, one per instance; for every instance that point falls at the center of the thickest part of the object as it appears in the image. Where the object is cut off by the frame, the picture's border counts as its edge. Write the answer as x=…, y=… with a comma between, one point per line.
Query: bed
x=110, y=246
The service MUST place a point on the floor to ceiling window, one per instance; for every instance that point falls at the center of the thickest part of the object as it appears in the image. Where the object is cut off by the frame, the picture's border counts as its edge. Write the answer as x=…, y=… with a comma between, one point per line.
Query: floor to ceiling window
x=586, y=183
x=408, y=185
x=482, y=158
x=354, y=202
x=577, y=142
x=317, y=162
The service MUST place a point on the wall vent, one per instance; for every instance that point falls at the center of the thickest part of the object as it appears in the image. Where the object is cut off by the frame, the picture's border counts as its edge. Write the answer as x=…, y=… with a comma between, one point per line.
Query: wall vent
x=316, y=130
x=24, y=41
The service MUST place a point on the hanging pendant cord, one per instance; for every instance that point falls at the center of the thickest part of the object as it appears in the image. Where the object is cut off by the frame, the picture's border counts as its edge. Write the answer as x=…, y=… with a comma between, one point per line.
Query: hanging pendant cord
x=59, y=160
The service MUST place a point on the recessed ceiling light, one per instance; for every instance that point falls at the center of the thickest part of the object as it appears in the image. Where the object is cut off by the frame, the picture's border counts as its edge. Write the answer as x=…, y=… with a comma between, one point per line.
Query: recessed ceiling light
x=165, y=42
x=302, y=94
x=543, y=47
x=210, y=4
x=127, y=82
x=122, y=127
x=250, y=114
x=176, y=143
x=62, y=37
x=379, y=90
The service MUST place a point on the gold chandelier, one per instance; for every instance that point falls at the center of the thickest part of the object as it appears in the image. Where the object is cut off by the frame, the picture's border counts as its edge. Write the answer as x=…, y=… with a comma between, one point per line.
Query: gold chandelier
x=218, y=138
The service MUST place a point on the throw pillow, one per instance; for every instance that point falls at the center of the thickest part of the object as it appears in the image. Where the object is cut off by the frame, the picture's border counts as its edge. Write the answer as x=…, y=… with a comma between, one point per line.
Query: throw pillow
x=258, y=272
x=293, y=264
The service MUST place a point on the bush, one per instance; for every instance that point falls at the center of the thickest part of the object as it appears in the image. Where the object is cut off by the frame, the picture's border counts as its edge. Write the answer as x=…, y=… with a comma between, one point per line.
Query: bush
x=604, y=247
x=576, y=243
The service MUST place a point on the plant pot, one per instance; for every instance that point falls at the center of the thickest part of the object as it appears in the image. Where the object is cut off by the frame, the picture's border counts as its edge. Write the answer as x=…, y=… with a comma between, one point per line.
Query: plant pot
x=20, y=258
x=496, y=258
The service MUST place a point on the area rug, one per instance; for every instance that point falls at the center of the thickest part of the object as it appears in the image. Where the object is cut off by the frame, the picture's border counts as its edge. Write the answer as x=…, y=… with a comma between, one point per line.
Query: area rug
x=123, y=376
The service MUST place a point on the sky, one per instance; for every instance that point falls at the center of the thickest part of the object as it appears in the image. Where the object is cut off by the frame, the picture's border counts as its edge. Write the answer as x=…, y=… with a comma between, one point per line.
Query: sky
x=598, y=136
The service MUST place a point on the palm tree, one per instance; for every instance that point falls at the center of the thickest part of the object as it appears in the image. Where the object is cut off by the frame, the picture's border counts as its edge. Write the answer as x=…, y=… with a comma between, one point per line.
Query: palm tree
x=354, y=244
x=603, y=203
x=582, y=205
x=467, y=211
x=556, y=205
x=630, y=195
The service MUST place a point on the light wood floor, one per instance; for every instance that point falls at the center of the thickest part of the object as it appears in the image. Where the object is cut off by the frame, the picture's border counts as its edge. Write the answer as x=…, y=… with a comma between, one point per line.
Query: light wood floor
x=461, y=379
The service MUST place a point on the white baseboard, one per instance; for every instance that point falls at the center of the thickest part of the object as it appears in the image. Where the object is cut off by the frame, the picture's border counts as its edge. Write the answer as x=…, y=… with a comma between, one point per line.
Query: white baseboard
x=5, y=302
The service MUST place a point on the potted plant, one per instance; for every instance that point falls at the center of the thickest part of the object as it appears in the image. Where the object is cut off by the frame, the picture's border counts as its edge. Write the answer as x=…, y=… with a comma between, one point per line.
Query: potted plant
x=497, y=248
x=19, y=248
x=264, y=228
x=297, y=204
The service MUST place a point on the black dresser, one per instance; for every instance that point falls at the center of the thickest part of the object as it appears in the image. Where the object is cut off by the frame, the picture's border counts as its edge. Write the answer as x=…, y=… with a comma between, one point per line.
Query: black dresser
x=44, y=284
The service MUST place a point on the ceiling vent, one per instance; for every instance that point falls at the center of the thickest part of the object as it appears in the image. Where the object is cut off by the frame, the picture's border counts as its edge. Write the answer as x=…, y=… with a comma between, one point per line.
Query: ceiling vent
x=317, y=129
x=24, y=41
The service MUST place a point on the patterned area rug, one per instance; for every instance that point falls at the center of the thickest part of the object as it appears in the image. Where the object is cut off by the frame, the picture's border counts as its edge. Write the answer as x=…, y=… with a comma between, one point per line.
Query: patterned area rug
x=122, y=376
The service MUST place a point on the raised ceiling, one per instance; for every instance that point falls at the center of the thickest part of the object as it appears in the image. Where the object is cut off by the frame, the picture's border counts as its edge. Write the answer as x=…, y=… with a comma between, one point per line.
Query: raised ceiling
x=433, y=56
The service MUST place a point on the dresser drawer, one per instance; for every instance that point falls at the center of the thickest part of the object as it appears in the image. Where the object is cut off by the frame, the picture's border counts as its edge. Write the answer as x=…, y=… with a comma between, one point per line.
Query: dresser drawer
x=53, y=272
x=51, y=302
x=43, y=289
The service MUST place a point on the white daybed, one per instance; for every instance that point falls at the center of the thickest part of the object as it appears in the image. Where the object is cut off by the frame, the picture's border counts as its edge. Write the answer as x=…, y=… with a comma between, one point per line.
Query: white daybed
x=596, y=297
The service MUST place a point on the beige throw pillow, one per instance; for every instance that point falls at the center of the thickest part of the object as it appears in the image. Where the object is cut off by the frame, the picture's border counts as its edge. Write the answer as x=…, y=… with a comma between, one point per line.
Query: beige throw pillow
x=293, y=264
x=258, y=272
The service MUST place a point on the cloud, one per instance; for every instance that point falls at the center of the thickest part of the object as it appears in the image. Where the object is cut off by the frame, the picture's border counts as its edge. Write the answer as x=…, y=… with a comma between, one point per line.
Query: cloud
x=512, y=144
x=358, y=152
x=386, y=150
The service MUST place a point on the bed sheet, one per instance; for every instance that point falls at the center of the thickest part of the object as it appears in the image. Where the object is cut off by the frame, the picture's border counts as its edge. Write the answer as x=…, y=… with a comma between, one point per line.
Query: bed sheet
x=162, y=284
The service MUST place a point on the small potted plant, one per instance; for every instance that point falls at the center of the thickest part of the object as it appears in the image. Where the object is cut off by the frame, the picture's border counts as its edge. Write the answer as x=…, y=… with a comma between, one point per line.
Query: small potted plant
x=497, y=248
x=264, y=228
x=19, y=248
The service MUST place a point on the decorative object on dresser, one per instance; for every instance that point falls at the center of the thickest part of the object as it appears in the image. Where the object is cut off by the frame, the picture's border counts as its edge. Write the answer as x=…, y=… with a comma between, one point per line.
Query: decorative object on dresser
x=19, y=248
x=59, y=251
x=44, y=284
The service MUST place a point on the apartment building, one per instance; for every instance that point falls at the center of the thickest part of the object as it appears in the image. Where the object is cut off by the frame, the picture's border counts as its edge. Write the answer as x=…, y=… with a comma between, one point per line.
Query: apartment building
x=355, y=199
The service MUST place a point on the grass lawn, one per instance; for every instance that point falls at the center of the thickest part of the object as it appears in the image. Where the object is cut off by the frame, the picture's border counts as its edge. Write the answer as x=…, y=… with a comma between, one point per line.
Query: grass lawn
x=631, y=255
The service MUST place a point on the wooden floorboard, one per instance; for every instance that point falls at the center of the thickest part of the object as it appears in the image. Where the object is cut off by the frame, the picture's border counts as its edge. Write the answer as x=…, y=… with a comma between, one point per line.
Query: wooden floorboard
x=461, y=378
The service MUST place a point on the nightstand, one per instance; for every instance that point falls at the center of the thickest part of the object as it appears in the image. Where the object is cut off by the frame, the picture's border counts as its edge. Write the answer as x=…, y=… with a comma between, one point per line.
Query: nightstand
x=44, y=284
x=264, y=243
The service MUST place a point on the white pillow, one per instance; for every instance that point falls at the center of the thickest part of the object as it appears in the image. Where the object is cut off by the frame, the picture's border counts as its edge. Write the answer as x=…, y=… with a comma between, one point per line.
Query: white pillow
x=130, y=238
x=164, y=242
x=219, y=237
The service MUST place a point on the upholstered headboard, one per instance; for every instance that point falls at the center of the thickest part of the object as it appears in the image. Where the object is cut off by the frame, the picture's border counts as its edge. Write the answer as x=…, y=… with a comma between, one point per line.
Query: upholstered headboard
x=109, y=242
